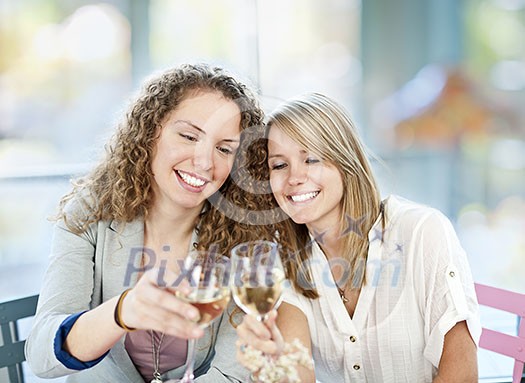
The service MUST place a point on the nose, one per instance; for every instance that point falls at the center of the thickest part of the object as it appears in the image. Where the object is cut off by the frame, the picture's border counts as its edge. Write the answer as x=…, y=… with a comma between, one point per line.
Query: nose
x=298, y=174
x=203, y=157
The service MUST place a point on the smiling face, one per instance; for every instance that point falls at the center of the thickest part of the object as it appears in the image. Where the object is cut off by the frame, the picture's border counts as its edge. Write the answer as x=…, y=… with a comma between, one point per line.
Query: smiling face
x=195, y=150
x=307, y=188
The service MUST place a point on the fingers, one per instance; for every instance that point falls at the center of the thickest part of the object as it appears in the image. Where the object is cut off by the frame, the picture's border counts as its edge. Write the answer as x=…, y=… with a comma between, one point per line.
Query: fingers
x=148, y=306
x=255, y=327
x=174, y=321
x=274, y=330
x=256, y=334
x=166, y=298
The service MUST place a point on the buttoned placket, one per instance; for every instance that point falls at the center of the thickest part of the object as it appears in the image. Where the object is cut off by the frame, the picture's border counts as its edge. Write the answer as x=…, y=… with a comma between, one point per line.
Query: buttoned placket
x=354, y=371
x=352, y=359
x=347, y=327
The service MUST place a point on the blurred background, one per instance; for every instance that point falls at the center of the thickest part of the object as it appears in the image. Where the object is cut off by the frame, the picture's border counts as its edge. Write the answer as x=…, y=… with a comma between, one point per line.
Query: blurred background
x=436, y=87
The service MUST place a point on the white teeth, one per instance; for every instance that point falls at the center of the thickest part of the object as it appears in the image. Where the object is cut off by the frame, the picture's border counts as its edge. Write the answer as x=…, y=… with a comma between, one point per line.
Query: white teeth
x=190, y=180
x=304, y=197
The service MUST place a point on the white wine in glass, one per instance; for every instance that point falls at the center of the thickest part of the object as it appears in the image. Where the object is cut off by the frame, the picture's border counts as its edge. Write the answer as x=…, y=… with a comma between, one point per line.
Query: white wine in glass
x=210, y=303
x=207, y=274
x=257, y=277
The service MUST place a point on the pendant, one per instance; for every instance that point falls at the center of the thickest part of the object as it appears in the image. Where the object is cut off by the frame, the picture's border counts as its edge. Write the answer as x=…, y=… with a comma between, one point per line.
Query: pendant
x=342, y=295
x=156, y=380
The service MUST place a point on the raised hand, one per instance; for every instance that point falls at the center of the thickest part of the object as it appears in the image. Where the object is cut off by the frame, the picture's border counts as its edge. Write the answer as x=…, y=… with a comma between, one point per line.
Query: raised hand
x=263, y=336
x=152, y=304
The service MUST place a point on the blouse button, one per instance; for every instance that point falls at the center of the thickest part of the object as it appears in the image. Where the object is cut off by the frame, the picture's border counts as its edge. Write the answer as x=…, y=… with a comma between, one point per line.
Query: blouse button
x=452, y=274
x=352, y=339
x=356, y=367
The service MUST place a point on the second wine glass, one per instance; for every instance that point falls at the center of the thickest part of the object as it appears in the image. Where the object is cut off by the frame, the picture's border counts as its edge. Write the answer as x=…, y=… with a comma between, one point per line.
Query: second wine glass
x=257, y=277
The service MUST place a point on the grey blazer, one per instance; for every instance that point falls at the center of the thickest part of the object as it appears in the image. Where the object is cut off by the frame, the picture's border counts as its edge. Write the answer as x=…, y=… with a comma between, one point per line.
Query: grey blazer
x=86, y=270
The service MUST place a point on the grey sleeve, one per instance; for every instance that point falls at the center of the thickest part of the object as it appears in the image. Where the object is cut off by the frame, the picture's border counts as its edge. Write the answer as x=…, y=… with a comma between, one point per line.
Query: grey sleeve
x=67, y=288
x=224, y=366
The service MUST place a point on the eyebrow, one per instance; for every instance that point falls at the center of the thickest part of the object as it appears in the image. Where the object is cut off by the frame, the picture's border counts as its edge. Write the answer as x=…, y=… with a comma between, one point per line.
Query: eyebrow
x=282, y=155
x=191, y=124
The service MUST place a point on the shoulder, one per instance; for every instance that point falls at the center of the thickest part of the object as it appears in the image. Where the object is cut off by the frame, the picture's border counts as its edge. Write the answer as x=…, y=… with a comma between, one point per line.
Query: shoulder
x=77, y=218
x=79, y=204
x=291, y=296
x=425, y=234
x=415, y=218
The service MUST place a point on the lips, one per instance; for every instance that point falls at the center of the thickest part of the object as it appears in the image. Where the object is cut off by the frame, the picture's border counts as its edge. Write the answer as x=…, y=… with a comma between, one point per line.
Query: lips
x=191, y=179
x=303, y=197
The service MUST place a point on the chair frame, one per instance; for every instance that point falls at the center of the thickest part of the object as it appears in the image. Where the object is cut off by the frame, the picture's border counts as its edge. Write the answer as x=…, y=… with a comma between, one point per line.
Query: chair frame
x=512, y=346
x=12, y=350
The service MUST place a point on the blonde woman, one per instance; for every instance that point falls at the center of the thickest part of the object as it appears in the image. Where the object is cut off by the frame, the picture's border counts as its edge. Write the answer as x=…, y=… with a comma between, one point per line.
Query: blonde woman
x=140, y=211
x=381, y=290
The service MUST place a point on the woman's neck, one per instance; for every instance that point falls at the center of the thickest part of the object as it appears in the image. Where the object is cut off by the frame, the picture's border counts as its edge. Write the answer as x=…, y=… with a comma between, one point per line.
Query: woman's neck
x=163, y=227
x=329, y=240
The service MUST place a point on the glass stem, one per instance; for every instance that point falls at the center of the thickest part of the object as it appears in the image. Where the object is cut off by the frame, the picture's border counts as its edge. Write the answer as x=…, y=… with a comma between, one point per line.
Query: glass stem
x=190, y=361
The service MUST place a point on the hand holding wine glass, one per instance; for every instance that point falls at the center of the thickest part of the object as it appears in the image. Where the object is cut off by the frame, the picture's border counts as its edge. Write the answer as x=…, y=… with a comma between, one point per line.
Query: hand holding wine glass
x=257, y=277
x=207, y=275
x=257, y=283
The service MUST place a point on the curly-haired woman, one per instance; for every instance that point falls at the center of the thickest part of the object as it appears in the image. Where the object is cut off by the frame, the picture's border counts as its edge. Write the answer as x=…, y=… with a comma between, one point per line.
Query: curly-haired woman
x=141, y=209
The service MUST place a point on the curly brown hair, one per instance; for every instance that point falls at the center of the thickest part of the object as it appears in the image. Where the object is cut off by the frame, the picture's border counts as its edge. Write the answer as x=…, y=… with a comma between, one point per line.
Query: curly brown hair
x=119, y=187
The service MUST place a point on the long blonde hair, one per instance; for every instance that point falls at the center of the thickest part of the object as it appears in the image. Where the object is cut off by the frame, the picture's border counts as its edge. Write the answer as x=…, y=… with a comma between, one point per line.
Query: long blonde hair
x=119, y=187
x=322, y=126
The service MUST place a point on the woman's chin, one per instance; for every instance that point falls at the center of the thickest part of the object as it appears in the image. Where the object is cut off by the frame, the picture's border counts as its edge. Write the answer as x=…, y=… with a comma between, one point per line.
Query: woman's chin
x=300, y=219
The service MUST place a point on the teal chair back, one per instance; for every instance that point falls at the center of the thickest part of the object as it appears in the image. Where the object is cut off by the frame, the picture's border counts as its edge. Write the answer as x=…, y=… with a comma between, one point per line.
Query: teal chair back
x=12, y=347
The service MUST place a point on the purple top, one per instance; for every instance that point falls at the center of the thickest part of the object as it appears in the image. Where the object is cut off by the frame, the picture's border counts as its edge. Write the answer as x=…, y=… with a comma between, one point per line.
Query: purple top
x=139, y=347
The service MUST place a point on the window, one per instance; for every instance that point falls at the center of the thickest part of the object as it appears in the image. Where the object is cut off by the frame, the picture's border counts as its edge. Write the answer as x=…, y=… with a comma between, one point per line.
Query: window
x=69, y=68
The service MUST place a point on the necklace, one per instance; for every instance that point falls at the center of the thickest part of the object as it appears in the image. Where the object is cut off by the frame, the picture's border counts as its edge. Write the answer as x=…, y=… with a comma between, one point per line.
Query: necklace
x=157, y=377
x=342, y=294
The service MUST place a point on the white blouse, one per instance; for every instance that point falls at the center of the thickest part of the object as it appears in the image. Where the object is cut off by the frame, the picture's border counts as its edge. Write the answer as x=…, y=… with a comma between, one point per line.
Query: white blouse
x=418, y=286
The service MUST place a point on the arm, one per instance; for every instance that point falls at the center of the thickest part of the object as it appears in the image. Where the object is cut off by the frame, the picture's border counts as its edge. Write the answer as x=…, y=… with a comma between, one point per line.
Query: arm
x=452, y=322
x=294, y=325
x=147, y=306
x=458, y=362
x=68, y=289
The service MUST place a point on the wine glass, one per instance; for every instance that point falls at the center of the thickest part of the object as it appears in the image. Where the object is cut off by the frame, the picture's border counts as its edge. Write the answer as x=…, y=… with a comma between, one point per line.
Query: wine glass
x=207, y=274
x=257, y=277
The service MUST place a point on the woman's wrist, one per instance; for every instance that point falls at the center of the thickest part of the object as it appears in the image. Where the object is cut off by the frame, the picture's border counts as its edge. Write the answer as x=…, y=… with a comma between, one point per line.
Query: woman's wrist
x=117, y=313
x=283, y=368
